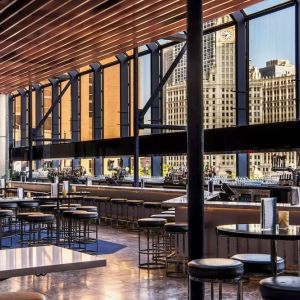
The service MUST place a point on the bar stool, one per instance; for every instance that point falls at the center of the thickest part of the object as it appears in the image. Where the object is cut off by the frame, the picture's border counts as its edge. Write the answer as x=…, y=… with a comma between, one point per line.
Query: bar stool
x=10, y=206
x=28, y=206
x=23, y=229
x=133, y=212
x=217, y=270
x=176, y=249
x=104, y=210
x=153, y=228
x=280, y=288
x=22, y=296
x=151, y=208
x=88, y=208
x=117, y=211
x=82, y=230
x=67, y=227
x=6, y=229
x=38, y=223
x=168, y=212
x=256, y=263
x=47, y=207
x=169, y=217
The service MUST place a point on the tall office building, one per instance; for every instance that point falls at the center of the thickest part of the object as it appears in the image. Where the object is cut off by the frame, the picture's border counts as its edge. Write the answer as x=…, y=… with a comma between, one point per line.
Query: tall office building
x=219, y=95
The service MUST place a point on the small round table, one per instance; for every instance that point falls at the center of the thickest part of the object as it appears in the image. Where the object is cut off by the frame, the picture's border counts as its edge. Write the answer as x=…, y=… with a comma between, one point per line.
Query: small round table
x=254, y=231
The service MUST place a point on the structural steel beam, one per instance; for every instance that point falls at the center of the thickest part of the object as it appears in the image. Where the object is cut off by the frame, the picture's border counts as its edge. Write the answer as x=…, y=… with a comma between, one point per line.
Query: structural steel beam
x=11, y=120
x=75, y=124
x=136, y=116
x=30, y=141
x=195, y=140
x=97, y=112
x=242, y=86
x=23, y=116
x=38, y=111
x=124, y=95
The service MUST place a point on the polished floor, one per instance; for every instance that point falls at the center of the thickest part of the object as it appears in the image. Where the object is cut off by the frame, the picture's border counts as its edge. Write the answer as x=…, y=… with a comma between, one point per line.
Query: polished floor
x=120, y=280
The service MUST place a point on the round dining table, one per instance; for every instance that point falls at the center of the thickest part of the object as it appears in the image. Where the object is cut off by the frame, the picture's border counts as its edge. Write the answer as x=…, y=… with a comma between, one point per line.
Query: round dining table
x=255, y=231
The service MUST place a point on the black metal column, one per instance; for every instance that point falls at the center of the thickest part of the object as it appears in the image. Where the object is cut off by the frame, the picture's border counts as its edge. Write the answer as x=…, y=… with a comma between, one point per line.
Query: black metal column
x=75, y=108
x=98, y=112
x=55, y=116
x=136, y=117
x=11, y=121
x=23, y=96
x=124, y=100
x=38, y=116
x=195, y=139
x=30, y=141
x=156, y=161
x=297, y=38
x=242, y=99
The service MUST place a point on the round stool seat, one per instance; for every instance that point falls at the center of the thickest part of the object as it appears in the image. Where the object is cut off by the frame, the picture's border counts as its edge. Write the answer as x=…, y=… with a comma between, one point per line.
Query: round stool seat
x=176, y=227
x=135, y=202
x=6, y=213
x=168, y=212
x=101, y=199
x=152, y=204
x=215, y=268
x=169, y=218
x=280, y=287
x=28, y=204
x=22, y=296
x=171, y=209
x=23, y=216
x=40, y=218
x=82, y=214
x=88, y=208
x=258, y=263
x=151, y=222
x=47, y=207
x=68, y=213
x=65, y=208
x=118, y=200
x=75, y=205
x=8, y=205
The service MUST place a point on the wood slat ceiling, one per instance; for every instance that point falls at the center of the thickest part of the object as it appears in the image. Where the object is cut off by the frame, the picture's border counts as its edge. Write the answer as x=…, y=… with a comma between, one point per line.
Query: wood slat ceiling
x=44, y=38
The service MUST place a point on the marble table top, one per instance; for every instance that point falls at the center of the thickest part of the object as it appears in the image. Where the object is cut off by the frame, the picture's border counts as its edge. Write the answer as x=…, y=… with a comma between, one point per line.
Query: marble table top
x=43, y=260
x=182, y=201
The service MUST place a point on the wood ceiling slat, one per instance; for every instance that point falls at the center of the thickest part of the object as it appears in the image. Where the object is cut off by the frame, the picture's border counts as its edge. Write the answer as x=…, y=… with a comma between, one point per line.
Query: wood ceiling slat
x=105, y=39
x=42, y=38
x=103, y=27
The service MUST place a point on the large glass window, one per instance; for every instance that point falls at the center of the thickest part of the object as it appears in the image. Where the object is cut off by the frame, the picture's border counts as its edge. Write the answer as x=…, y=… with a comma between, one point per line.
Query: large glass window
x=111, y=94
x=17, y=121
x=65, y=112
x=47, y=102
x=271, y=78
x=86, y=106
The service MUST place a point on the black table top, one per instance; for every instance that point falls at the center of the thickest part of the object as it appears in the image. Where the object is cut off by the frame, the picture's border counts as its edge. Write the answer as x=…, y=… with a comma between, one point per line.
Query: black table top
x=292, y=233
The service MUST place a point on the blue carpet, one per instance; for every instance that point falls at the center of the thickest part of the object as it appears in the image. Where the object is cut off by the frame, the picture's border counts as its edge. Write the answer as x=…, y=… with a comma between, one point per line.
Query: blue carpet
x=104, y=247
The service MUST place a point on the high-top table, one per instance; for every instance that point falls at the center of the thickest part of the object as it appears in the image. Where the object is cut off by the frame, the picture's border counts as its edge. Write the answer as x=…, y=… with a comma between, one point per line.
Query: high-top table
x=44, y=259
x=254, y=231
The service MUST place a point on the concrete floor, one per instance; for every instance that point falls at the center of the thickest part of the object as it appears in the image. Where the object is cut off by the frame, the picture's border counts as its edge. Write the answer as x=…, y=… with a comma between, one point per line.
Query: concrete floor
x=120, y=280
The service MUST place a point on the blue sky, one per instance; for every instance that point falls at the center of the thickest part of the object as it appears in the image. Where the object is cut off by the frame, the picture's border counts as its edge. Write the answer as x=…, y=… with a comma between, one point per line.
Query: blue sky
x=272, y=36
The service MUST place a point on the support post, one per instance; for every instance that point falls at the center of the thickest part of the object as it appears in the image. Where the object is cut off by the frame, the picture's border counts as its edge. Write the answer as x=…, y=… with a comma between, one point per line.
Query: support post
x=30, y=132
x=195, y=139
x=38, y=116
x=156, y=161
x=55, y=132
x=23, y=96
x=98, y=113
x=242, y=86
x=11, y=121
x=75, y=126
x=136, y=117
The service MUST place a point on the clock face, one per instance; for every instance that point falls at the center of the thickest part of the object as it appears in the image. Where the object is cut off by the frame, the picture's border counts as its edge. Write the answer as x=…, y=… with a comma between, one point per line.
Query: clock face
x=227, y=34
